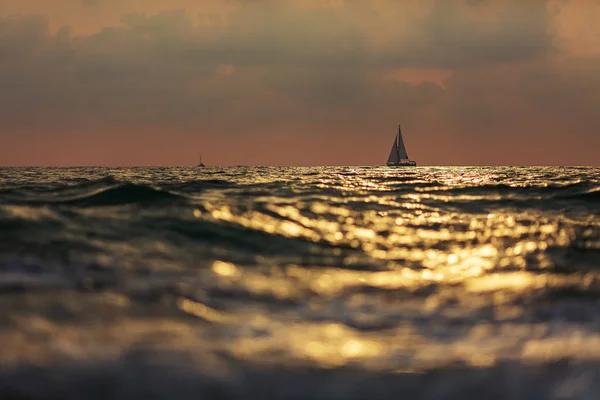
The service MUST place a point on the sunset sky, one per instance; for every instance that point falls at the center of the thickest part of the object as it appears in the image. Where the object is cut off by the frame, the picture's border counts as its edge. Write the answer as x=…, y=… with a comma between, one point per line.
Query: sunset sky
x=290, y=82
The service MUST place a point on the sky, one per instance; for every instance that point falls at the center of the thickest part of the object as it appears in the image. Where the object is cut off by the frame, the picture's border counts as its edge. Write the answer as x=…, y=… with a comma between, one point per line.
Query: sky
x=290, y=82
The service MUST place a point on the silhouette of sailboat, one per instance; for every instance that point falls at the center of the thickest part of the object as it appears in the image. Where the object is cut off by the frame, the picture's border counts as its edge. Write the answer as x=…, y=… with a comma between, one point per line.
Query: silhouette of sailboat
x=398, y=156
x=200, y=163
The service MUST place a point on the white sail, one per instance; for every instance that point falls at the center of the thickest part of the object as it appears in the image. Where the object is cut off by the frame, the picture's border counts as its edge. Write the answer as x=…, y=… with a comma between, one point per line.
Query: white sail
x=401, y=149
x=394, y=153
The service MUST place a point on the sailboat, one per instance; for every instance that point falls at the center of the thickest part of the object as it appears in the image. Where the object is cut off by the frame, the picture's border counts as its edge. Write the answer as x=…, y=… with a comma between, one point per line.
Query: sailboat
x=398, y=156
x=200, y=164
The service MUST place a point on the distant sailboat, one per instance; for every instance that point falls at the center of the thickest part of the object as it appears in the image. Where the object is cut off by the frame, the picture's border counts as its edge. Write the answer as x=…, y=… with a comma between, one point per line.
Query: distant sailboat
x=398, y=156
x=200, y=164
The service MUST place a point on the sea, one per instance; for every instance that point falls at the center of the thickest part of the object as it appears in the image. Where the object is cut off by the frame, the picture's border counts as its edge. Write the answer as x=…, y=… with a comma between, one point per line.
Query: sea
x=300, y=283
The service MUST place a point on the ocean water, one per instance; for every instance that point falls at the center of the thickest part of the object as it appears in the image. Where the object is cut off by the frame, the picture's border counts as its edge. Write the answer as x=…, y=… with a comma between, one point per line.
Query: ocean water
x=300, y=283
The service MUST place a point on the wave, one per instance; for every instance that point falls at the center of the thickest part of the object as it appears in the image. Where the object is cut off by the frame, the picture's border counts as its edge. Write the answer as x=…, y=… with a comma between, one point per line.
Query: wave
x=127, y=193
x=592, y=196
x=137, y=283
x=199, y=185
x=503, y=188
x=140, y=373
x=103, y=192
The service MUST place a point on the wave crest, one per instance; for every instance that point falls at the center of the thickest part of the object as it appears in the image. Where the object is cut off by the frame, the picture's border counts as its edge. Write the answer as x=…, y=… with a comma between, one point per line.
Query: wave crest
x=128, y=193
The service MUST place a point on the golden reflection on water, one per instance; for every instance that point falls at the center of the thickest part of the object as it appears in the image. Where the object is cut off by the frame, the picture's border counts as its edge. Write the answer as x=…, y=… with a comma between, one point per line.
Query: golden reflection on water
x=466, y=262
x=450, y=247
x=326, y=345
x=410, y=280
x=200, y=310
x=225, y=268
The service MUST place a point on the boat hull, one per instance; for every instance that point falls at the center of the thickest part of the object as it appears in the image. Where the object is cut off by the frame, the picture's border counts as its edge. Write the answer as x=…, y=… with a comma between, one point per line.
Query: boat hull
x=408, y=163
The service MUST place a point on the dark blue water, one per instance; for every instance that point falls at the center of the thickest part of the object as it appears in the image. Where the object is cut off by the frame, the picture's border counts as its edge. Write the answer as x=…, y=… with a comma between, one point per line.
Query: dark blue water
x=303, y=283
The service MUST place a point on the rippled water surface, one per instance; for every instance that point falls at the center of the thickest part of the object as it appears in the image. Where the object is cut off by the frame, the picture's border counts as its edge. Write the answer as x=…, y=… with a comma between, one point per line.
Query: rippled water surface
x=328, y=283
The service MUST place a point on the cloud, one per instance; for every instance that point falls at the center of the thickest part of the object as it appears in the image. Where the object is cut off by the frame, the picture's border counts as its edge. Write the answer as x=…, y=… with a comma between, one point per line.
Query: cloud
x=21, y=36
x=163, y=69
x=90, y=3
x=458, y=34
x=575, y=26
x=304, y=70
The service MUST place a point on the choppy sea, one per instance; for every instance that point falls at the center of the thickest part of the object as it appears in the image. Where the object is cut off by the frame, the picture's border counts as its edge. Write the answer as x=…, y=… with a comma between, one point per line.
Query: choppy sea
x=300, y=283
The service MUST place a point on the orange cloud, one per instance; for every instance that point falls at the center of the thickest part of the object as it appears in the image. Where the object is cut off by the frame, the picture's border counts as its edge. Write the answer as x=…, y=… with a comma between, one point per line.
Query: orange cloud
x=576, y=28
